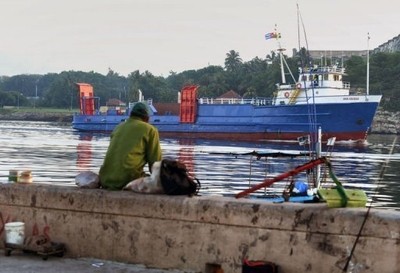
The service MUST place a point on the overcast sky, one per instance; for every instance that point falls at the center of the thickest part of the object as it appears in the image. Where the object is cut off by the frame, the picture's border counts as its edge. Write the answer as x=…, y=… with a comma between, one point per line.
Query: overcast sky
x=43, y=36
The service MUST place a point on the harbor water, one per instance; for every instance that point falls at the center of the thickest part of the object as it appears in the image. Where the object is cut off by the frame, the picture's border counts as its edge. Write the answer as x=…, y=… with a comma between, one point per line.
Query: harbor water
x=55, y=154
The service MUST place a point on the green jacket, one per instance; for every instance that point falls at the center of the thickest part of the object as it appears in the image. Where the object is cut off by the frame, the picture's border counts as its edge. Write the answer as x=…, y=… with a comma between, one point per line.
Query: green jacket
x=133, y=144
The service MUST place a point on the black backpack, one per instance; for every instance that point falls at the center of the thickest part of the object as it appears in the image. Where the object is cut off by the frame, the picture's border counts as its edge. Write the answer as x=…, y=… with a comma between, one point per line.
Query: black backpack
x=175, y=179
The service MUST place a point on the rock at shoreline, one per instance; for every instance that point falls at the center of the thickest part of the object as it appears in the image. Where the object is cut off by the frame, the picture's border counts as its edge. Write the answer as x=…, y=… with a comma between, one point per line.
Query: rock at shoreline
x=386, y=123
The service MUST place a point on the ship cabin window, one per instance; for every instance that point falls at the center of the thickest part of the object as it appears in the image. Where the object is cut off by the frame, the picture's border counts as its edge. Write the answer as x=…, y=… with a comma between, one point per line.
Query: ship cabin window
x=336, y=77
x=303, y=78
x=326, y=77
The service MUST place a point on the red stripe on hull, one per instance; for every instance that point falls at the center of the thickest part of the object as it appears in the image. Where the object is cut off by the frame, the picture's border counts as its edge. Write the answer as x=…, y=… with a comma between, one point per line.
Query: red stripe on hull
x=356, y=136
x=342, y=136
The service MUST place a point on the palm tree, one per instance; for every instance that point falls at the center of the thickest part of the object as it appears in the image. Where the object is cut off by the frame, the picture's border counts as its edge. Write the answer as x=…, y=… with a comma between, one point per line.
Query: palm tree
x=232, y=61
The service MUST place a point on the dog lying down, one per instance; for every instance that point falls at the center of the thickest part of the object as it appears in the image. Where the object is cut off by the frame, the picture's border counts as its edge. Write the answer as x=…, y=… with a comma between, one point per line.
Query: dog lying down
x=148, y=184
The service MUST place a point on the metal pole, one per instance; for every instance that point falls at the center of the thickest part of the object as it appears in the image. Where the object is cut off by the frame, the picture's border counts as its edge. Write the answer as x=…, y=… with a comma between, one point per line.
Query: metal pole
x=282, y=68
x=318, y=153
x=368, y=64
x=34, y=101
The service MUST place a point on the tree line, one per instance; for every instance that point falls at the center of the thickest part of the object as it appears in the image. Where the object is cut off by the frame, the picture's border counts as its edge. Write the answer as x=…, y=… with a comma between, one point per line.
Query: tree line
x=255, y=78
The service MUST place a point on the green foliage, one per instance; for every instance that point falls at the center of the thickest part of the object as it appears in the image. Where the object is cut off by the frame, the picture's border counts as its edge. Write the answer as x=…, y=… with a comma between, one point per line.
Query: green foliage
x=233, y=61
x=257, y=77
x=13, y=98
x=7, y=98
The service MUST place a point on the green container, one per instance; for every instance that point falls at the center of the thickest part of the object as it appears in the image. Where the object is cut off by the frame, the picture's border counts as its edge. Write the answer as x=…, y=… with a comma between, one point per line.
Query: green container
x=13, y=176
x=356, y=198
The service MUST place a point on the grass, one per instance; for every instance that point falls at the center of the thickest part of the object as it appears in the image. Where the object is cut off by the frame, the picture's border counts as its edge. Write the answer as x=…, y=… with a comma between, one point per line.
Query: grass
x=37, y=110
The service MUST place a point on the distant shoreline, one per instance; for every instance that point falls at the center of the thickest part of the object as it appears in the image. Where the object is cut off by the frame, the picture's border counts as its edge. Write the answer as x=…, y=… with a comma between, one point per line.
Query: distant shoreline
x=38, y=116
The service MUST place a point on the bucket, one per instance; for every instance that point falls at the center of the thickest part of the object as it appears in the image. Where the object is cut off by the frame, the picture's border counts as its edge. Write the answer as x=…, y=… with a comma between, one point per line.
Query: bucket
x=15, y=233
x=25, y=177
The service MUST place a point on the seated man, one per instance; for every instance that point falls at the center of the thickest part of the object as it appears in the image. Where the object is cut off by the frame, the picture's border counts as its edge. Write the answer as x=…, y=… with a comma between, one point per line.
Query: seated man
x=133, y=143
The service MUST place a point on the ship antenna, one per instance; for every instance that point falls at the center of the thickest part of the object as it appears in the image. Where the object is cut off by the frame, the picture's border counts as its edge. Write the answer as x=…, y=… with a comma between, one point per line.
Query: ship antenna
x=368, y=64
x=342, y=59
x=312, y=117
x=300, y=19
x=298, y=27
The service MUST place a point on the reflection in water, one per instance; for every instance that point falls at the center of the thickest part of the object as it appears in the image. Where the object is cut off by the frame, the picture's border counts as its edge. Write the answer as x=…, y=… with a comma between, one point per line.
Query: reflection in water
x=84, y=150
x=55, y=154
x=186, y=154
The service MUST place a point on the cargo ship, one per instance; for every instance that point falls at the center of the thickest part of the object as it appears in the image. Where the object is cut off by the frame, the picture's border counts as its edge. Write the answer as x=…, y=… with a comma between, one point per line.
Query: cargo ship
x=319, y=99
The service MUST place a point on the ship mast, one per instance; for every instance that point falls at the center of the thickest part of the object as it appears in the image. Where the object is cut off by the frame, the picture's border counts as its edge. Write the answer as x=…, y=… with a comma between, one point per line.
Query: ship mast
x=368, y=64
x=280, y=50
x=283, y=62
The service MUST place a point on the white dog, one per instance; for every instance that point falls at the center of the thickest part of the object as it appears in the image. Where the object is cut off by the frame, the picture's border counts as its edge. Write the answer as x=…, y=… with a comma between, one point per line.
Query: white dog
x=148, y=184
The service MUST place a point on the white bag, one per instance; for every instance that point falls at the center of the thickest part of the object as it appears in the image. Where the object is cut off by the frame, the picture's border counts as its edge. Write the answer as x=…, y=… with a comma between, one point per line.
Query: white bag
x=87, y=180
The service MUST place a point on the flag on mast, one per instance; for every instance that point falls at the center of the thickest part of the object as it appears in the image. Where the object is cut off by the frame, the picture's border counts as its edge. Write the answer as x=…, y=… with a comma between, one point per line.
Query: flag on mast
x=272, y=35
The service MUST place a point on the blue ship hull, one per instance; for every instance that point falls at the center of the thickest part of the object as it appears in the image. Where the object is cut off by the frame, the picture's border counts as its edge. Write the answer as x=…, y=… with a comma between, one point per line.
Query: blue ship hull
x=345, y=121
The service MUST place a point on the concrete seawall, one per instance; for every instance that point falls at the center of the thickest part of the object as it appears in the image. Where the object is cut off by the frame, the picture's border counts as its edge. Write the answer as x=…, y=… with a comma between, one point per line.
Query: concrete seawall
x=188, y=233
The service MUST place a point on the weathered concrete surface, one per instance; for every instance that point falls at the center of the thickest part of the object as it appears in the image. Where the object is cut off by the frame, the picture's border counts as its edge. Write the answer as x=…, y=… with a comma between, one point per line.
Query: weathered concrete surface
x=187, y=233
x=28, y=263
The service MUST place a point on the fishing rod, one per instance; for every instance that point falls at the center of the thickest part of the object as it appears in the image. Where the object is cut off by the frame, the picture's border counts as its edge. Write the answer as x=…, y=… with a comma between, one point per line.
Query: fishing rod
x=381, y=174
x=263, y=154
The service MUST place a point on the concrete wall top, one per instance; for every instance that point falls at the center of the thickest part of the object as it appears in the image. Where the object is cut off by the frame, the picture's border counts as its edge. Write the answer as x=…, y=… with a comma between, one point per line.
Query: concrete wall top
x=208, y=209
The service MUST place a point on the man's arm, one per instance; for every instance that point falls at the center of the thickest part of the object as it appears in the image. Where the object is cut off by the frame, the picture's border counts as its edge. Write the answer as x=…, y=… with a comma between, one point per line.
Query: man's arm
x=153, y=150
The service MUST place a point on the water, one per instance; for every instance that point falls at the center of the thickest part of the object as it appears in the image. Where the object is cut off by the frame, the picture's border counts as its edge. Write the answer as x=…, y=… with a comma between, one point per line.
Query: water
x=56, y=154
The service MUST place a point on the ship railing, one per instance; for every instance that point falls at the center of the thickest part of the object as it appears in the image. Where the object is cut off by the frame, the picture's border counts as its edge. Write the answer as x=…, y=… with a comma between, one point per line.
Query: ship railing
x=253, y=101
x=303, y=99
x=323, y=69
x=320, y=85
x=287, y=87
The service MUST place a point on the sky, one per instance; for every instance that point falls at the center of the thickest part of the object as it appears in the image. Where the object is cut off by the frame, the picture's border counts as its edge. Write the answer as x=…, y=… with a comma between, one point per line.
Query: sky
x=160, y=36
